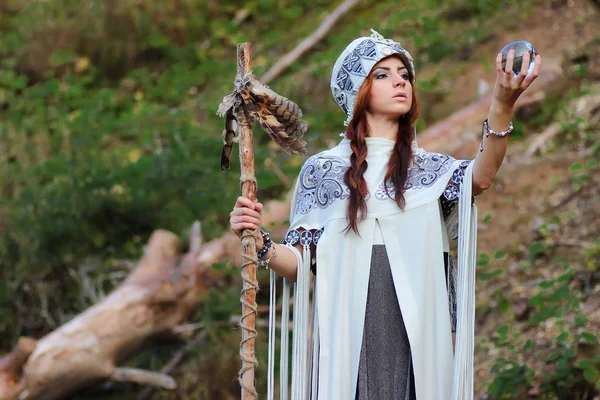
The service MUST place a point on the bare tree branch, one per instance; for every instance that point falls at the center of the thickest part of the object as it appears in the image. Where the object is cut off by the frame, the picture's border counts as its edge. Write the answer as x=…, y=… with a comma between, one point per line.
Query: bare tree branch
x=309, y=42
x=143, y=377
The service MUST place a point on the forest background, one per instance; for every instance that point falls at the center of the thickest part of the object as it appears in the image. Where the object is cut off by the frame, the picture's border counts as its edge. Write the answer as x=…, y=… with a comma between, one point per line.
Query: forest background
x=108, y=131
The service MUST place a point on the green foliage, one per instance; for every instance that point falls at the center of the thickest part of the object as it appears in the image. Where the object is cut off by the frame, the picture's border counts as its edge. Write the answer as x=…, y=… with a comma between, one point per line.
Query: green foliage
x=511, y=379
x=568, y=367
x=487, y=218
x=581, y=172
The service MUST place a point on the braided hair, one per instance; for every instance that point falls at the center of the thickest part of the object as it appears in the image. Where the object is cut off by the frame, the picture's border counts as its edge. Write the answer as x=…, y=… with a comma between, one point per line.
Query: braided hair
x=397, y=172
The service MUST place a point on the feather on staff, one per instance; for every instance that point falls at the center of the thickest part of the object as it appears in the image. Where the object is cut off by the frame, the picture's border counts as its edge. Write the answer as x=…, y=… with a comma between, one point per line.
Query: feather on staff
x=228, y=139
x=279, y=132
x=278, y=115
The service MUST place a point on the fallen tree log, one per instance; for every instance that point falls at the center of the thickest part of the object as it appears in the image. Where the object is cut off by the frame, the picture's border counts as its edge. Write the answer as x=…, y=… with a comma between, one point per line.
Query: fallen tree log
x=155, y=300
x=157, y=296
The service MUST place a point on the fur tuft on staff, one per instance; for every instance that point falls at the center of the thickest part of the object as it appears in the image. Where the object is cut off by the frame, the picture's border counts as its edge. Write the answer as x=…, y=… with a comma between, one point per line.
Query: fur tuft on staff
x=278, y=115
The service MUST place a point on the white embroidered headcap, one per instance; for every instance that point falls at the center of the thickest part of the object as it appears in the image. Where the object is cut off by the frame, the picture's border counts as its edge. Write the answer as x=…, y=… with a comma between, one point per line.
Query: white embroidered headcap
x=354, y=65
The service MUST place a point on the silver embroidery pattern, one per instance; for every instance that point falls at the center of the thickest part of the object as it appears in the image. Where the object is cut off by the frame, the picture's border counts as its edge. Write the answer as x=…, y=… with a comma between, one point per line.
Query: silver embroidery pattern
x=424, y=172
x=449, y=200
x=381, y=194
x=427, y=169
x=306, y=238
x=322, y=180
x=321, y=183
x=452, y=190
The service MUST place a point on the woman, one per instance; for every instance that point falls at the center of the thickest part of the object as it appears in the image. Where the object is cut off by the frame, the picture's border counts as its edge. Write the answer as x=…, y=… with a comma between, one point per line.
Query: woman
x=383, y=276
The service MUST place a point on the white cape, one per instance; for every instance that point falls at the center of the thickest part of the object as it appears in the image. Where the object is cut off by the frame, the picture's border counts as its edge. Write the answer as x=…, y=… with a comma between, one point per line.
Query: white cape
x=326, y=352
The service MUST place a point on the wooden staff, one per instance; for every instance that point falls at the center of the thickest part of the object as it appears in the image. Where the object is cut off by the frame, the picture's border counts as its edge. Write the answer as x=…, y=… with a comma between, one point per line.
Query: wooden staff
x=252, y=101
x=249, y=260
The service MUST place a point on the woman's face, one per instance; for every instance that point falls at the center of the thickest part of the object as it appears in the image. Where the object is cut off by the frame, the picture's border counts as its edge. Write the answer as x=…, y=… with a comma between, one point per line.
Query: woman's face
x=391, y=90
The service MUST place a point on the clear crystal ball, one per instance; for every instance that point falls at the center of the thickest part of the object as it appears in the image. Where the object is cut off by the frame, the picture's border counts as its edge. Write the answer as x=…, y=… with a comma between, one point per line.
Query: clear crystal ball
x=521, y=47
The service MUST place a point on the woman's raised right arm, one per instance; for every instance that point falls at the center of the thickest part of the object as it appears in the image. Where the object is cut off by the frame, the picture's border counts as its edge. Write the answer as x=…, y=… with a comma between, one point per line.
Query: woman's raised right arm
x=248, y=215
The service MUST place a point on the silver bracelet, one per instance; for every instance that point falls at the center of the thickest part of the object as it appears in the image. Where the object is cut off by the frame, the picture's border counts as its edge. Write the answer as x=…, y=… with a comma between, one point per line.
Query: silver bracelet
x=266, y=262
x=485, y=130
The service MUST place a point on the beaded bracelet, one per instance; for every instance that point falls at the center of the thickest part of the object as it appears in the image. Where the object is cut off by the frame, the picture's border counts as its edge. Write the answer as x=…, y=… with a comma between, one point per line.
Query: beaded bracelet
x=265, y=263
x=485, y=130
x=266, y=245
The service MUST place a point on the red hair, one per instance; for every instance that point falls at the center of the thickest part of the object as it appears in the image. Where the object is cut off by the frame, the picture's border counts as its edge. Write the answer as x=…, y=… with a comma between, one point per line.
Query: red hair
x=397, y=172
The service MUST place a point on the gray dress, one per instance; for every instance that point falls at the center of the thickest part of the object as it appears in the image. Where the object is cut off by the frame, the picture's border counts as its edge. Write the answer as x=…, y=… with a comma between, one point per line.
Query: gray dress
x=385, y=367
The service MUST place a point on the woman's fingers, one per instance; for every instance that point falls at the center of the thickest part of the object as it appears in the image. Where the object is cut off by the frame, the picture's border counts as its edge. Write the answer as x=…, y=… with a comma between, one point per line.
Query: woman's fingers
x=524, y=69
x=238, y=224
x=510, y=59
x=244, y=202
x=535, y=73
x=239, y=211
x=245, y=215
x=524, y=78
x=245, y=218
x=237, y=229
x=499, y=64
